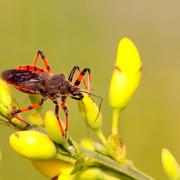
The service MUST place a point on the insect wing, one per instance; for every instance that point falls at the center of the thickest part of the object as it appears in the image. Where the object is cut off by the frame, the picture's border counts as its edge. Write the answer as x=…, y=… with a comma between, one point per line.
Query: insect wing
x=26, y=81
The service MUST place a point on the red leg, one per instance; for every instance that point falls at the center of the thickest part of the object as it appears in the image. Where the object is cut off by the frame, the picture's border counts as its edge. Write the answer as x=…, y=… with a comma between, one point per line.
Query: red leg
x=28, y=107
x=45, y=60
x=81, y=77
x=65, y=109
x=20, y=119
x=32, y=68
x=57, y=115
x=72, y=73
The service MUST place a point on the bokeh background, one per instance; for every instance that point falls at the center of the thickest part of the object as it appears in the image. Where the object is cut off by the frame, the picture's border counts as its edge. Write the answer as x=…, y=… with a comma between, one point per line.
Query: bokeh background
x=86, y=33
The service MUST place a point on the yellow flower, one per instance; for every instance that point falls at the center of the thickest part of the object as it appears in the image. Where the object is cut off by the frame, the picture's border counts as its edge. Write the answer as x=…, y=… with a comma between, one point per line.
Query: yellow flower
x=126, y=75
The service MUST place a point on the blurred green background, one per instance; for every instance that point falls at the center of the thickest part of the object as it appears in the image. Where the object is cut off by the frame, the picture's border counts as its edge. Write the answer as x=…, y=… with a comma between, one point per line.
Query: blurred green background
x=86, y=33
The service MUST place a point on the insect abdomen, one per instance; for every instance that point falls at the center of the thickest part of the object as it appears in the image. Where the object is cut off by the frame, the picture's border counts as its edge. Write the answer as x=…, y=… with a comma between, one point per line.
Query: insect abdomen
x=25, y=81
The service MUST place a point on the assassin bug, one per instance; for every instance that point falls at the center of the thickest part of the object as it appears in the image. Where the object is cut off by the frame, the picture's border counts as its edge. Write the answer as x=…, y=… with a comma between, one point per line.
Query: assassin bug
x=35, y=80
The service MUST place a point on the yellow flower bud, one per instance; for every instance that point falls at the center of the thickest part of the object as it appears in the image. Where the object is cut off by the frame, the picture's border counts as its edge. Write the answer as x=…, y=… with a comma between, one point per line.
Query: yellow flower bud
x=93, y=173
x=90, y=173
x=116, y=148
x=126, y=75
x=32, y=145
x=53, y=167
x=5, y=96
x=87, y=143
x=4, y=111
x=52, y=128
x=128, y=59
x=90, y=112
x=170, y=165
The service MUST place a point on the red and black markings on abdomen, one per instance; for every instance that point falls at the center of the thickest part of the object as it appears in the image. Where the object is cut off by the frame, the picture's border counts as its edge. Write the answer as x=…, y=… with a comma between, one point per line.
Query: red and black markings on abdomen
x=25, y=81
x=32, y=68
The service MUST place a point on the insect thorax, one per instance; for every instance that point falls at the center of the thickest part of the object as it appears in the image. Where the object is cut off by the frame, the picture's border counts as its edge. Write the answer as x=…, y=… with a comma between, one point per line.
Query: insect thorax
x=58, y=85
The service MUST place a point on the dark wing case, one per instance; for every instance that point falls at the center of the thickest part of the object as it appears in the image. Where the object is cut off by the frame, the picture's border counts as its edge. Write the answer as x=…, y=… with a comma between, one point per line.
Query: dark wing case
x=26, y=81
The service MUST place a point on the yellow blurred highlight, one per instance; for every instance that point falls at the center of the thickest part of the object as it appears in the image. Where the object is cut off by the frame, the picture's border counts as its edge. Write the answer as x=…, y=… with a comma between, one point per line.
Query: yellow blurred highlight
x=170, y=165
x=36, y=119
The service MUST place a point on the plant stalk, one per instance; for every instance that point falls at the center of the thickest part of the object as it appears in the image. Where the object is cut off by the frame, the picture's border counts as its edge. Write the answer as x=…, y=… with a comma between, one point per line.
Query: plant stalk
x=115, y=121
x=101, y=136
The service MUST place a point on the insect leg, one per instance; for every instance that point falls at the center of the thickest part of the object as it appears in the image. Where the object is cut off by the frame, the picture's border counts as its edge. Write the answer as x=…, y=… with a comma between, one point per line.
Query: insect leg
x=28, y=107
x=32, y=68
x=20, y=119
x=76, y=98
x=45, y=60
x=71, y=75
x=57, y=115
x=81, y=77
x=65, y=109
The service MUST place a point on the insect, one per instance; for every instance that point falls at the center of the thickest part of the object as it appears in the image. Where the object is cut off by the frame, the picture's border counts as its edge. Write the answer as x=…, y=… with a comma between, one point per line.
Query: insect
x=38, y=81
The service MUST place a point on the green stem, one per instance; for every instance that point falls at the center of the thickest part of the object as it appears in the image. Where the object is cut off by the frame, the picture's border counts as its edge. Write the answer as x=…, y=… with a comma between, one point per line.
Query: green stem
x=115, y=121
x=65, y=158
x=94, y=159
x=101, y=136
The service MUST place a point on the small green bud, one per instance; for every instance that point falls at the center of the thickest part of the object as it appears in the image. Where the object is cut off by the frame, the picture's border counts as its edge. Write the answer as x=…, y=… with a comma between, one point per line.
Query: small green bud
x=93, y=173
x=34, y=99
x=116, y=148
x=90, y=112
x=36, y=119
x=33, y=145
x=89, y=174
x=170, y=165
x=53, y=129
x=126, y=75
